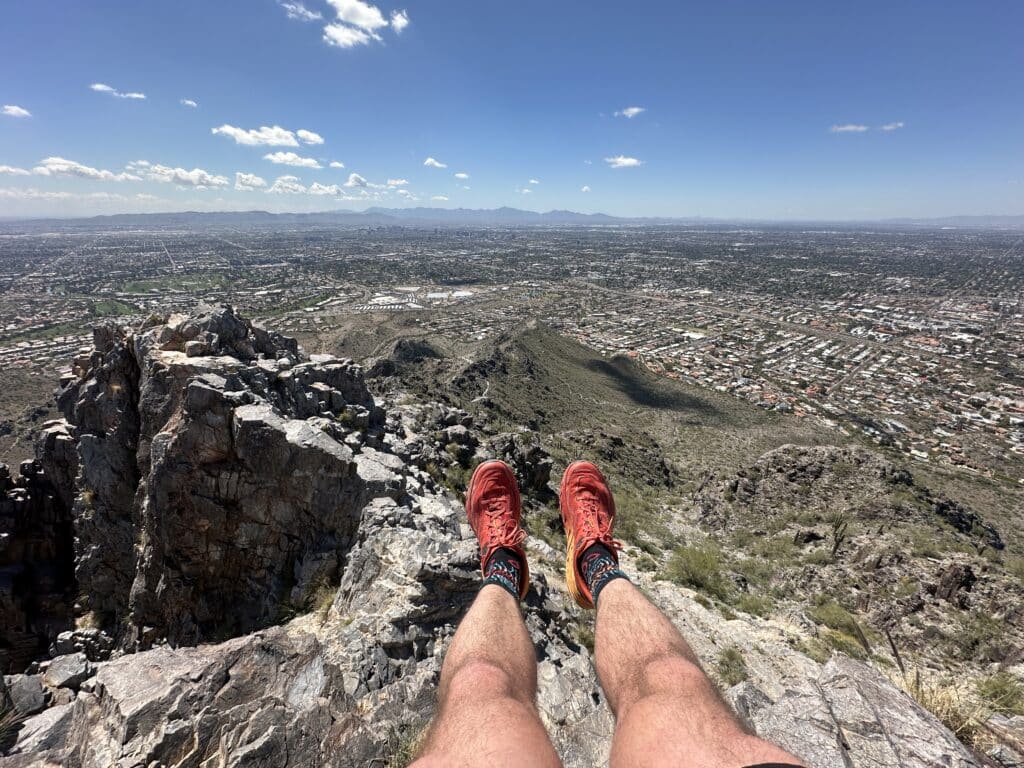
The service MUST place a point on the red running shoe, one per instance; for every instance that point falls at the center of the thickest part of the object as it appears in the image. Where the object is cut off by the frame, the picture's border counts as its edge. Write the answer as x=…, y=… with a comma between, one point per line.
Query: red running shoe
x=493, y=507
x=588, y=515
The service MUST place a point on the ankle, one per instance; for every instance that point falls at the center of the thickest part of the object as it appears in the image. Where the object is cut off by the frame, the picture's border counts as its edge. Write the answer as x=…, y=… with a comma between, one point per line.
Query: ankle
x=504, y=568
x=598, y=566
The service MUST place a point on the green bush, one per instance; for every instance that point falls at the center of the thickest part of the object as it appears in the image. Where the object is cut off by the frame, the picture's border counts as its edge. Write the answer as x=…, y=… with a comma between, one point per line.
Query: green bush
x=844, y=643
x=834, y=616
x=755, y=570
x=1003, y=692
x=732, y=668
x=979, y=638
x=699, y=567
x=757, y=605
x=646, y=563
x=778, y=548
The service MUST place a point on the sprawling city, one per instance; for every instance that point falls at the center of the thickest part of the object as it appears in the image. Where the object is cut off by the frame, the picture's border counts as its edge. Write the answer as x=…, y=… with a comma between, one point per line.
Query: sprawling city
x=912, y=338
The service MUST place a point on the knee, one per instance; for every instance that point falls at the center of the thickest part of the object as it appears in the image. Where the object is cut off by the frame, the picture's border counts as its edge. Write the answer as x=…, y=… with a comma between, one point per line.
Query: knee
x=673, y=672
x=670, y=675
x=479, y=680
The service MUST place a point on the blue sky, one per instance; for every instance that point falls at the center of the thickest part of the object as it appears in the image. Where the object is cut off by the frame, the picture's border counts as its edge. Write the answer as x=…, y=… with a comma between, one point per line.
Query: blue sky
x=785, y=109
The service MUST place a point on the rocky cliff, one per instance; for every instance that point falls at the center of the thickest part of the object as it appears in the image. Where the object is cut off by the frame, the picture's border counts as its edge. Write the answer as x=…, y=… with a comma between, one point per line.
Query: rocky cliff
x=228, y=554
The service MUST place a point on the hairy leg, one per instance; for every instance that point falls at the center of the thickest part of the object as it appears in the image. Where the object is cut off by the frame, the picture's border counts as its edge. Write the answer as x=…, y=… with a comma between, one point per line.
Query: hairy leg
x=667, y=711
x=487, y=714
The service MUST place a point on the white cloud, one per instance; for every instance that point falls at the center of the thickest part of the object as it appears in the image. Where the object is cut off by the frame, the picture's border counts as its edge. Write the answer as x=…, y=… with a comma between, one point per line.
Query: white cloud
x=275, y=136
x=440, y=198
x=300, y=12
x=621, y=161
x=588, y=162
x=358, y=23
x=462, y=176
x=630, y=112
x=359, y=14
x=196, y=178
x=344, y=36
x=397, y=182
x=535, y=181
x=104, y=88
x=525, y=191
x=893, y=126
x=248, y=182
x=308, y=137
x=432, y=163
x=355, y=180
x=12, y=171
x=58, y=166
x=324, y=189
x=13, y=110
x=399, y=20
x=188, y=103
x=286, y=185
x=290, y=158
x=337, y=164
x=16, y=193
x=848, y=128
x=584, y=188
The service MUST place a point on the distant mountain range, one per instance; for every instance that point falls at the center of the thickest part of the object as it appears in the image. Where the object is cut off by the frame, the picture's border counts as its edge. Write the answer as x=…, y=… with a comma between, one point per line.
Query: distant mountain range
x=484, y=217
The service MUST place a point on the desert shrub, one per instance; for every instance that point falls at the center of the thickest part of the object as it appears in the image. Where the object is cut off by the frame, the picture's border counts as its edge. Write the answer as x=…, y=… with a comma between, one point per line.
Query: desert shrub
x=732, y=668
x=1015, y=566
x=758, y=605
x=844, y=643
x=403, y=745
x=1002, y=692
x=979, y=638
x=777, y=549
x=646, y=563
x=755, y=570
x=947, y=703
x=698, y=567
x=819, y=556
x=924, y=543
x=830, y=613
x=814, y=649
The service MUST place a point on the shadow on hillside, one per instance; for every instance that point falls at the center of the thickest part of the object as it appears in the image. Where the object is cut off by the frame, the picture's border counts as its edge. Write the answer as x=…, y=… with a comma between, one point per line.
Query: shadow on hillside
x=638, y=388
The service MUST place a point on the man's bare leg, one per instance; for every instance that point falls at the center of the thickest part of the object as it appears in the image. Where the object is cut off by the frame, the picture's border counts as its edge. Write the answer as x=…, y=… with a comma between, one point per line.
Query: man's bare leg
x=487, y=715
x=667, y=711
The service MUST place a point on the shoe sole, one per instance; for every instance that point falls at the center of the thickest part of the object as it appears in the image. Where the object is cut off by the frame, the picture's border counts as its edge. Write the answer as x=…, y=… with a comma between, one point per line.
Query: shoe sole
x=571, y=577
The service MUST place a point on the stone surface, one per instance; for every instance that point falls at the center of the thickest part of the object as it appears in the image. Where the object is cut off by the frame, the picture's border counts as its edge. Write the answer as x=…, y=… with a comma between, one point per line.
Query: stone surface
x=27, y=694
x=68, y=671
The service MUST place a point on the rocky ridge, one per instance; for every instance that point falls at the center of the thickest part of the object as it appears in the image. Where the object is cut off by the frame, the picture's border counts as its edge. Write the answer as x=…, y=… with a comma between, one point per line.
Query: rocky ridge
x=242, y=520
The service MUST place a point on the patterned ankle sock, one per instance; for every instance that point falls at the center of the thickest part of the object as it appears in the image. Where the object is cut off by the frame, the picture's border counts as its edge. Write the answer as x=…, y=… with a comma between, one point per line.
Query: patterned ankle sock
x=597, y=566
x=504, y=568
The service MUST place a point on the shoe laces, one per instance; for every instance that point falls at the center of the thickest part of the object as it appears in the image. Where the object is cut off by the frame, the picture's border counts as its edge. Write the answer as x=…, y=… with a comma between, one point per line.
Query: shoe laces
x=502, y=528
x=596, y=523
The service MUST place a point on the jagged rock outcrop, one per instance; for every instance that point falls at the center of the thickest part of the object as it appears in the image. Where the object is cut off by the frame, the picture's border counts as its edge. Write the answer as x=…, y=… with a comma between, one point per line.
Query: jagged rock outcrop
x=268, y=575
x=214, y=483
x=36, y=579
